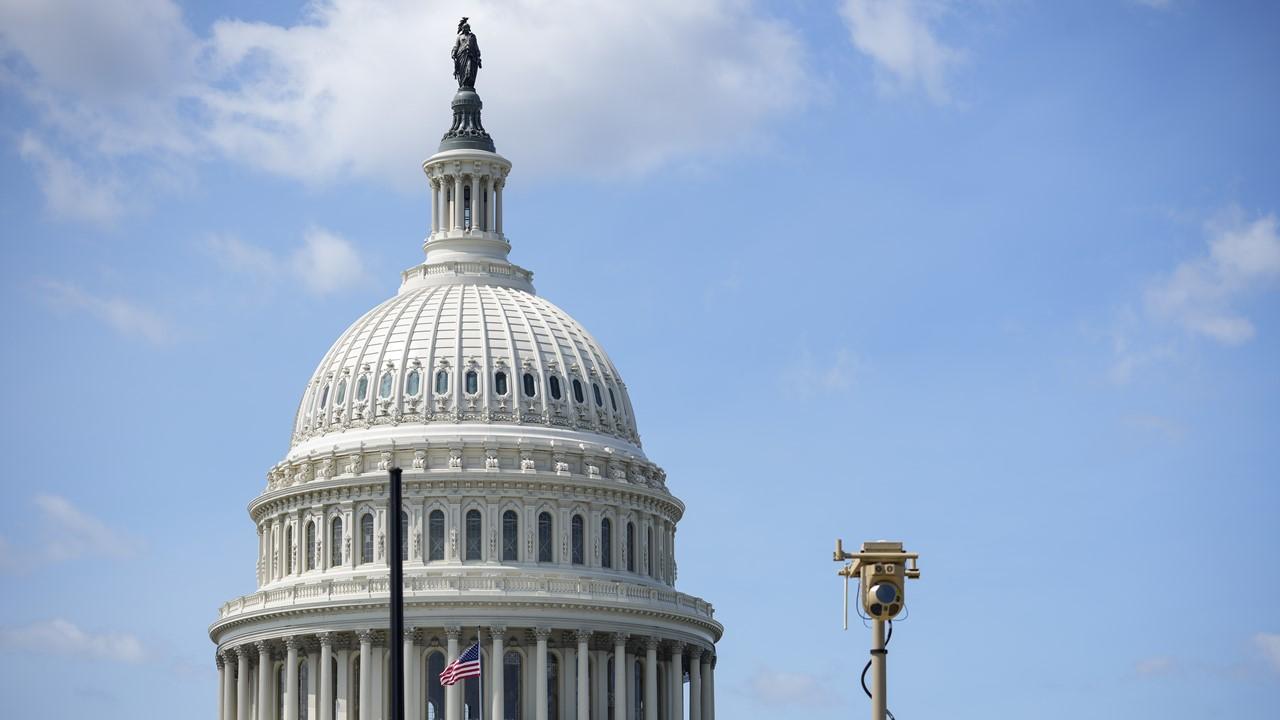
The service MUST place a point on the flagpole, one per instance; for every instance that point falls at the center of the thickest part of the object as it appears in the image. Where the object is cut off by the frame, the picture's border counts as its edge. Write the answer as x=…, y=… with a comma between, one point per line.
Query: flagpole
x=480, y=677
x=396, y=582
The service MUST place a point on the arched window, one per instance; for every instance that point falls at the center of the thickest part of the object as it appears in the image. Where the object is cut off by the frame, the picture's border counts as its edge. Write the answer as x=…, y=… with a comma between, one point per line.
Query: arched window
x=435, y=535
x=288, y=550
x=595, y=390
x=510, y=536
x=577, y=391
x=511, y=695
x=554, y=382
x=354, y=690
x=435, y=692
x=471, y=696
x=473, y=382
x=324, y=397
x=553, y=686
x=362, y=388
x=303, y=684
x=404, y=535
x=544, y=537
x=500, y=383
x=578, y=540
x=466, y=207
x=662, y=691
x=530, y=385
x=613, y=401
x=341, y=396
x=609, y=689
x=413, y=383
x=366, y=538
x=309, y=542
x=335, y=542
x=442, y=382
x=333, y=701
x=637, y=682
x=280, y=681
x=606, y=543
x=631, y=547
x=648, y=555
x=475, y=535
x=385, y=385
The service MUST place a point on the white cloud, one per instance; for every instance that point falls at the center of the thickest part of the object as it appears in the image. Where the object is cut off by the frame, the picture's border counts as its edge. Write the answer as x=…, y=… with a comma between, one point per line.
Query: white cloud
x=1200, y=293
x=810, y=376
x=361, y=89
x=778, y=687
x=71, y=533
x=1269, y=645
x=324, y=263
x=1160, y=665
x=68, y=191
x=60, y=637
x=123, y=315
x=899, y=36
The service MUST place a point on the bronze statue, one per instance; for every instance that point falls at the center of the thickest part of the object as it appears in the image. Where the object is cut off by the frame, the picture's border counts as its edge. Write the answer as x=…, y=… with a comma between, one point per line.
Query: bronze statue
x=466, y=56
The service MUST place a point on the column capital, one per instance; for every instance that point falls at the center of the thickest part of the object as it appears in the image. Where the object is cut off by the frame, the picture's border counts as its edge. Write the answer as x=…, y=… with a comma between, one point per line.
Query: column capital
x=582, y=636
x=217, y=660
x=243, y=651
x=264, y=647
x=651, y=643
x=497, y=631
x=542, y=633
x=620, y=638
x=677, y=647
x=452, y=631
x=695, y=652
x=366, y=636
x=293, y=642
x=326, y=639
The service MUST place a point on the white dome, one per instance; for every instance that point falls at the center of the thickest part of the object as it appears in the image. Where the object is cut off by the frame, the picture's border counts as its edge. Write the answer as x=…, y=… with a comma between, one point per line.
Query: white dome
x=466, y=353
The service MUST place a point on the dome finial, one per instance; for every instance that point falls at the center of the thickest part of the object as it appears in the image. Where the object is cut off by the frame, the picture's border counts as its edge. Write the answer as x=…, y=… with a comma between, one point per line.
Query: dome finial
x=467, y=132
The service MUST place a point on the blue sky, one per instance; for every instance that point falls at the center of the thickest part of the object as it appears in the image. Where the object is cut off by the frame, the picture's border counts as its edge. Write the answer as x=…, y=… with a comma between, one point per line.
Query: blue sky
x=999, y=279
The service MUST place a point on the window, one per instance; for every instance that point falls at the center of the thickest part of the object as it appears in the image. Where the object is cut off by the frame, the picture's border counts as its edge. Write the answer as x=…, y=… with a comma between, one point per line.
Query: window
x=530, y=385
x=303, y=684
x=595, y=390
x=637, y=682
x=510, y=536
x=442, y=382
x=578, y=540
x=404, y=535
x=354, y=712
x=366, y=538
x=473, y=382
x=333, y=673
x=511, y=673
x=324, y=397
x=500, y=383
x=471, y=697
x=309, y=540
x=435, y=692
x=466, y=207
x=475, y=539
x=280, y=684
x=577, y=391
x=335, y=542
x=544, y=537
x=288, y=550
x=609, y=689
x=631, y=547
x=362, y=388
x=341, y=395
x=435, y=535
x=648, y=556
x=613, y=401
x=606, y=543
x=413, y=383
x=384, y=386
x=554, y=382
x=553, y=686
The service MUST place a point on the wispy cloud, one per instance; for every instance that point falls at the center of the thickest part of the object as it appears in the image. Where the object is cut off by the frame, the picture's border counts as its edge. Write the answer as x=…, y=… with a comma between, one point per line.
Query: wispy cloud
x=1201, y=294
x=68, y=191
x=1158, y=665
x=125, y=316
x=787, y=688
x=899, y=36
x=324, y=263
x=61, y=637
x=810, y=375
x=1269, y=645
x=65, y=533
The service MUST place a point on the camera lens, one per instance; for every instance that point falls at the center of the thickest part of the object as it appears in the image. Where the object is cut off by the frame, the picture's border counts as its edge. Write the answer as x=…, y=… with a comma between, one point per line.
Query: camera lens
x=876, y=609
x=885, y=593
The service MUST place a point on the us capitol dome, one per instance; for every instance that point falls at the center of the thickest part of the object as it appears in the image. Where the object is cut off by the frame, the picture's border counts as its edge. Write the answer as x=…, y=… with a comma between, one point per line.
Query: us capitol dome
x=535, y=523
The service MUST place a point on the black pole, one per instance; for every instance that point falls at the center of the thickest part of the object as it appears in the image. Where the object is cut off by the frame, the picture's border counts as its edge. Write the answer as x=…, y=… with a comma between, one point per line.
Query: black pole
x=397, y=600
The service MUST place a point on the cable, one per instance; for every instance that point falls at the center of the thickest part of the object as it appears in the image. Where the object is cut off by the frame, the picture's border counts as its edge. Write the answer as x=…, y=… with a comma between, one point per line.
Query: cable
x=867, y=667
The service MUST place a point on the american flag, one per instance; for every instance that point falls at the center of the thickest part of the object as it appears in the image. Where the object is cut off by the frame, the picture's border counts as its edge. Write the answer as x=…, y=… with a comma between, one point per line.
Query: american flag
x=467, y=665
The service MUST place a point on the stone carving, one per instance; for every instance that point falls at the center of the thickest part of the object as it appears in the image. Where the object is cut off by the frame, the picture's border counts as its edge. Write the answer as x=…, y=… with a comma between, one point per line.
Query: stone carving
x=491, y=462
x=562, y=466
x=526, y=463
x=346, y=547
x=417, y=543
x=453, y=543
x=419, y=459
x=354, y=465
x=455, y=459
x=385, y=460
x=466, y=56
x=564, y=545
x=593, y=471
x=381, y=542
x=619, y=474
x=493, y=543
x=530, y=546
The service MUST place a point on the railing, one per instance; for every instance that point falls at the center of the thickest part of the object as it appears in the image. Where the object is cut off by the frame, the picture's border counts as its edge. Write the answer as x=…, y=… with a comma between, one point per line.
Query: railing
x=427, y=586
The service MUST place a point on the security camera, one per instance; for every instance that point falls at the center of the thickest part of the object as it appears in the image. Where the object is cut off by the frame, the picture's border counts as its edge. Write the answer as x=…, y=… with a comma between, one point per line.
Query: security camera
x=882, y=569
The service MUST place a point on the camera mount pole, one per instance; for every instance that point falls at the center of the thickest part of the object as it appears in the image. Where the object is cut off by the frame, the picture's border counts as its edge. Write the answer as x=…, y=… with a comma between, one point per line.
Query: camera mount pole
x=879, y=681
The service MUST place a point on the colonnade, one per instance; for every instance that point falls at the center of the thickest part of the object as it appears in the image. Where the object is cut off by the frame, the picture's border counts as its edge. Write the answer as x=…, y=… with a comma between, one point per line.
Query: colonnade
x=346, y=676
x=467, y=201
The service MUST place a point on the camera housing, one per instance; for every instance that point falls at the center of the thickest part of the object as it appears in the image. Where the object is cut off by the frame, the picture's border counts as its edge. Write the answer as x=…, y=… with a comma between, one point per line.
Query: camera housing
x=882, y=568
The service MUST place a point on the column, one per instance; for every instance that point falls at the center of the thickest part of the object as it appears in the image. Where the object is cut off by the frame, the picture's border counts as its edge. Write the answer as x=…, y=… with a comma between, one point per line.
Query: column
x=377, y=680
x=457, y=211
x=540, y=677
x=631, y=687
x=453, y=693
x=497, y=210
x=291, y=678
x=584, y=664
x=342, y=683
x=222, y=686
x=229, y=689
x=619, y=676
x=496, y=676
x=435, y=205
x=410, y=673
x=475, y=203
x=708, y=687
x=312, y=691
x=264, y=681
x=324, y=702
x=651, y=678
x=366, y=673
x=242, y=683
x=490, y=216
x=601, y=689
x=695, y=683
x=677, y=681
